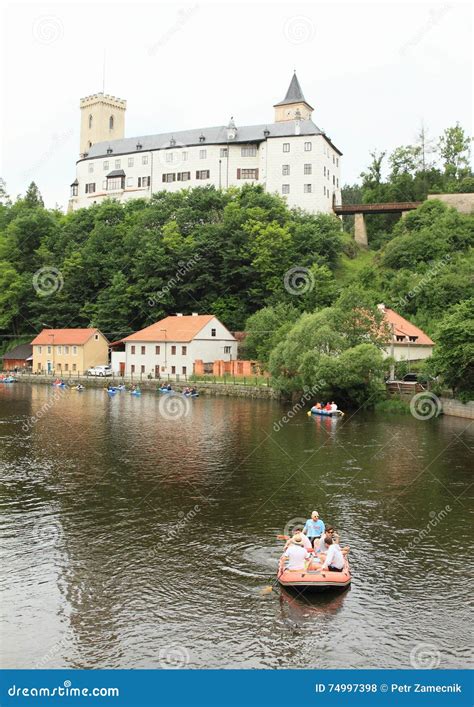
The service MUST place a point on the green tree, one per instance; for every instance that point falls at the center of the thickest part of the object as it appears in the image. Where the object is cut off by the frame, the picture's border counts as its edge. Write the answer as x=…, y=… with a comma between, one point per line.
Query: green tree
x=454, y=149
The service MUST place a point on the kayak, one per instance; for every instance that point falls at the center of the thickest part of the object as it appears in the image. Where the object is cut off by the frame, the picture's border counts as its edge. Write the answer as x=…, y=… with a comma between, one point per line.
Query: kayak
x=325, y=413
x=7, y=380
x=111, y=391
x=164, y=390
x=191, y=395
x=59, y=385
x=135, y=392
x=313, y=579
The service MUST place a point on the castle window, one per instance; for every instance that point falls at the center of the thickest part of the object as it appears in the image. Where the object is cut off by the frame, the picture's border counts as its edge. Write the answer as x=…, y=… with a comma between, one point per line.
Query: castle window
x=247, y=174
x=74, y=189
x=144, y=181
x=286, y=147
x=169, y=157
x=285, y=188
x=145, y=159
x=105, y=164
x=202, y=154
x=115, y=183
x=308, y=188
x=203, y=174
x=90, y=122
x=285, y=170
x=337, y=161
x=111, y=122
x=325, y=171
x=184, y=156
x=184, y=176
x=223, y=152
x=169, y=177
x=130, y=161
x=308, y=146
x=337, y=183
x=248, y=151
x=308, y=169
x=118, y=164
x=333, y=179
x=91, y=167
x=129, y=181
x=90, y=188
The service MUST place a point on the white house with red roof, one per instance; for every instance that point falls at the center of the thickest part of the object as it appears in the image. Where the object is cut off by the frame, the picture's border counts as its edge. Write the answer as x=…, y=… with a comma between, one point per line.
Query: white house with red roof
x=408, y=342
x=169, y=347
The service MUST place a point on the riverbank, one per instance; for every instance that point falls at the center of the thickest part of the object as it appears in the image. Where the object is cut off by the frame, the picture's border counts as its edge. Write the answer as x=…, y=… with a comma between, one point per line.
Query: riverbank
x=237, y=390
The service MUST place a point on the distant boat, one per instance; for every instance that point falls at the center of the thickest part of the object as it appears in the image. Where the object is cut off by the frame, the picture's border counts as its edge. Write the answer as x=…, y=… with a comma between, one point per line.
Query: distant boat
x=325, y=413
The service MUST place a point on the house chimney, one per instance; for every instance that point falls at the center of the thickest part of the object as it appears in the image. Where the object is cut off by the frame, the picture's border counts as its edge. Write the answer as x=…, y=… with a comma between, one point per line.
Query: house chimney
x=179, y=314
x=195, y=314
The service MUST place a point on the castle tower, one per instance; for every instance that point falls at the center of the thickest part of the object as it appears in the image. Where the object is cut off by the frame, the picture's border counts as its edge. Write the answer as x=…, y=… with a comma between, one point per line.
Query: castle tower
x=102, y=119
x=294, y=105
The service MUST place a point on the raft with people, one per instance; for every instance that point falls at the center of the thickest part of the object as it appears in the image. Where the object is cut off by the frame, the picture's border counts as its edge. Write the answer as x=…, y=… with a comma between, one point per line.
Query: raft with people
x=326, y=410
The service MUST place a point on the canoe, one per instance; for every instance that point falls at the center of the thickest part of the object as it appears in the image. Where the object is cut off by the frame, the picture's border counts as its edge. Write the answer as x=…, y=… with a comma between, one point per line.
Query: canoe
x=164, y=390
x=314, y=579
x=8, y=380
x=325, y=413
x=191, y=395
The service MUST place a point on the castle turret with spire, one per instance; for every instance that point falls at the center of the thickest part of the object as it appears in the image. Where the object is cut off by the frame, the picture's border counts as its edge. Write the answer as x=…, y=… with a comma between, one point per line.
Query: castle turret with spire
x=294, y=104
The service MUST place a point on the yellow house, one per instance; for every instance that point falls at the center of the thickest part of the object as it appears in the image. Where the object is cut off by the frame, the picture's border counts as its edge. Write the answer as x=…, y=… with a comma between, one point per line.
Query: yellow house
x=69, y=350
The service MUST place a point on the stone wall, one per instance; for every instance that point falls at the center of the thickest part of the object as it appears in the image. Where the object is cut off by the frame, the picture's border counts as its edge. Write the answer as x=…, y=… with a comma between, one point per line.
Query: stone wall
x=464, y=203
x=457, y=408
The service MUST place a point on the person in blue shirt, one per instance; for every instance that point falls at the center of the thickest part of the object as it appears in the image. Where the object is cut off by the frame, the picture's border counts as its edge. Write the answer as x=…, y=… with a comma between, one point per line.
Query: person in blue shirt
x=314, y=527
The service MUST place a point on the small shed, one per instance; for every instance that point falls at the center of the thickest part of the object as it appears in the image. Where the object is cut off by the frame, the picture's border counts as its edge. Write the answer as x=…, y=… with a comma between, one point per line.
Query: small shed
x=19, y=358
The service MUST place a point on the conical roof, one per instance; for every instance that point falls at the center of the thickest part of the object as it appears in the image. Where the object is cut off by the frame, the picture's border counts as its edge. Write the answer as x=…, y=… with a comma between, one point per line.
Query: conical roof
x=294, y=93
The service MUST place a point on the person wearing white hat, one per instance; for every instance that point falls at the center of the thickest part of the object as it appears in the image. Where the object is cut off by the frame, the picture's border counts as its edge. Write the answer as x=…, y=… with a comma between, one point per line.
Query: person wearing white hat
x=296, y=554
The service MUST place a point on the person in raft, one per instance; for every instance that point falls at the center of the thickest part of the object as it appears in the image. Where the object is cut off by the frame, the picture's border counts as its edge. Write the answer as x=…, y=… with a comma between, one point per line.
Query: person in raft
x=333, y=406
x=295, y=554
x=314, y=528
x=334, y=561
x=323, y=545
x=304, y=539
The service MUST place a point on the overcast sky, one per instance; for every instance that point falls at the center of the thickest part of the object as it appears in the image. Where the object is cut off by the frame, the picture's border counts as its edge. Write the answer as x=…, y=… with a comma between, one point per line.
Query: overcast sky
x=373, y=73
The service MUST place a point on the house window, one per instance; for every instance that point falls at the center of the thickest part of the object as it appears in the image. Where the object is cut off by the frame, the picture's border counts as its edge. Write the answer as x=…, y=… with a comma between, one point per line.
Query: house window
x=285, y=188
x=143, y=350
x=286, y=147
x=60, y=349
x=223, y=152
x=324, y=191
x=413, y=338
x=183, y=370
x=203, y=174
x=337, y=183
x=184, y=156
x=74, y=189
x=130, y=162
x=184, y=350
x=39, y=349
x=91, y=167
x=247, y=173
x=308, y=188
x=337, y=161
x=74, y=350
x=400, y=338
x=213, y=332
x=227, y=349
x=157, y=350
x=142, y=369
x=111, y=122
x=129, y=181
x=308, y=169
x=49, y=349
x=173, y=369
x=59, y=366
x=144, y=159
x=105, y=165
x=333, y=159
x=66, y=350
x=248, y=151
x=184, y=176
x=132, y=368
x=132, y=350
x=90, y=188
x=324, y=171
x=308, y=146
x=170, y=177
x=285, y=170
x=118, y=164
x=169, y=157
x=202, y=154
x=173, y=350
x=74, y=367
x=115, y=183
x=66, y=366
x=144, y=181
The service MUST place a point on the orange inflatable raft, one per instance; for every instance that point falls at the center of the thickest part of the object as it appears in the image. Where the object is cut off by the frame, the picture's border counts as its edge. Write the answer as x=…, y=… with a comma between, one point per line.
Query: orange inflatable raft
x=313, y=578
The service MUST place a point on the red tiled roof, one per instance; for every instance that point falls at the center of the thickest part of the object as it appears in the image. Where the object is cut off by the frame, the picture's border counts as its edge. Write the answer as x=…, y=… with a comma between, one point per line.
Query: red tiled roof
x=68, y=337
x=402, y=327
x=172, y=329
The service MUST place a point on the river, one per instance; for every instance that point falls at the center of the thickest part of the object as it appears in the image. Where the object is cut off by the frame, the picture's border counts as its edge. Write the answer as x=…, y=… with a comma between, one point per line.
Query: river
x=139, y=533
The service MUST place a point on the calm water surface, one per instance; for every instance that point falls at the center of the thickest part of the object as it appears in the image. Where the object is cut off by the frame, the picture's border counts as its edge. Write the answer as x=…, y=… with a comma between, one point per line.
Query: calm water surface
x=130, y=540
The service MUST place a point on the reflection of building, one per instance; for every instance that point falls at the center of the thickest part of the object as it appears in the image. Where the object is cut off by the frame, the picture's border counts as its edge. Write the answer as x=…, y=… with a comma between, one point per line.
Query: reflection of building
x=170, y=346
x=19, y=357
x=290, y=156
x=69, y=350
x=409, y=343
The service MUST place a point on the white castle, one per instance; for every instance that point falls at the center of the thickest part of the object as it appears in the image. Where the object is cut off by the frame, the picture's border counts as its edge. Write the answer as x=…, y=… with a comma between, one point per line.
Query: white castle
x=290, y=156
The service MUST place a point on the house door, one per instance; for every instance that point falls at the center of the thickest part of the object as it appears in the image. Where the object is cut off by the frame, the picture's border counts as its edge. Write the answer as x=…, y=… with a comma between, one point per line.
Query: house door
x=122, y=368
x=49, y=367
x=157, y=371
